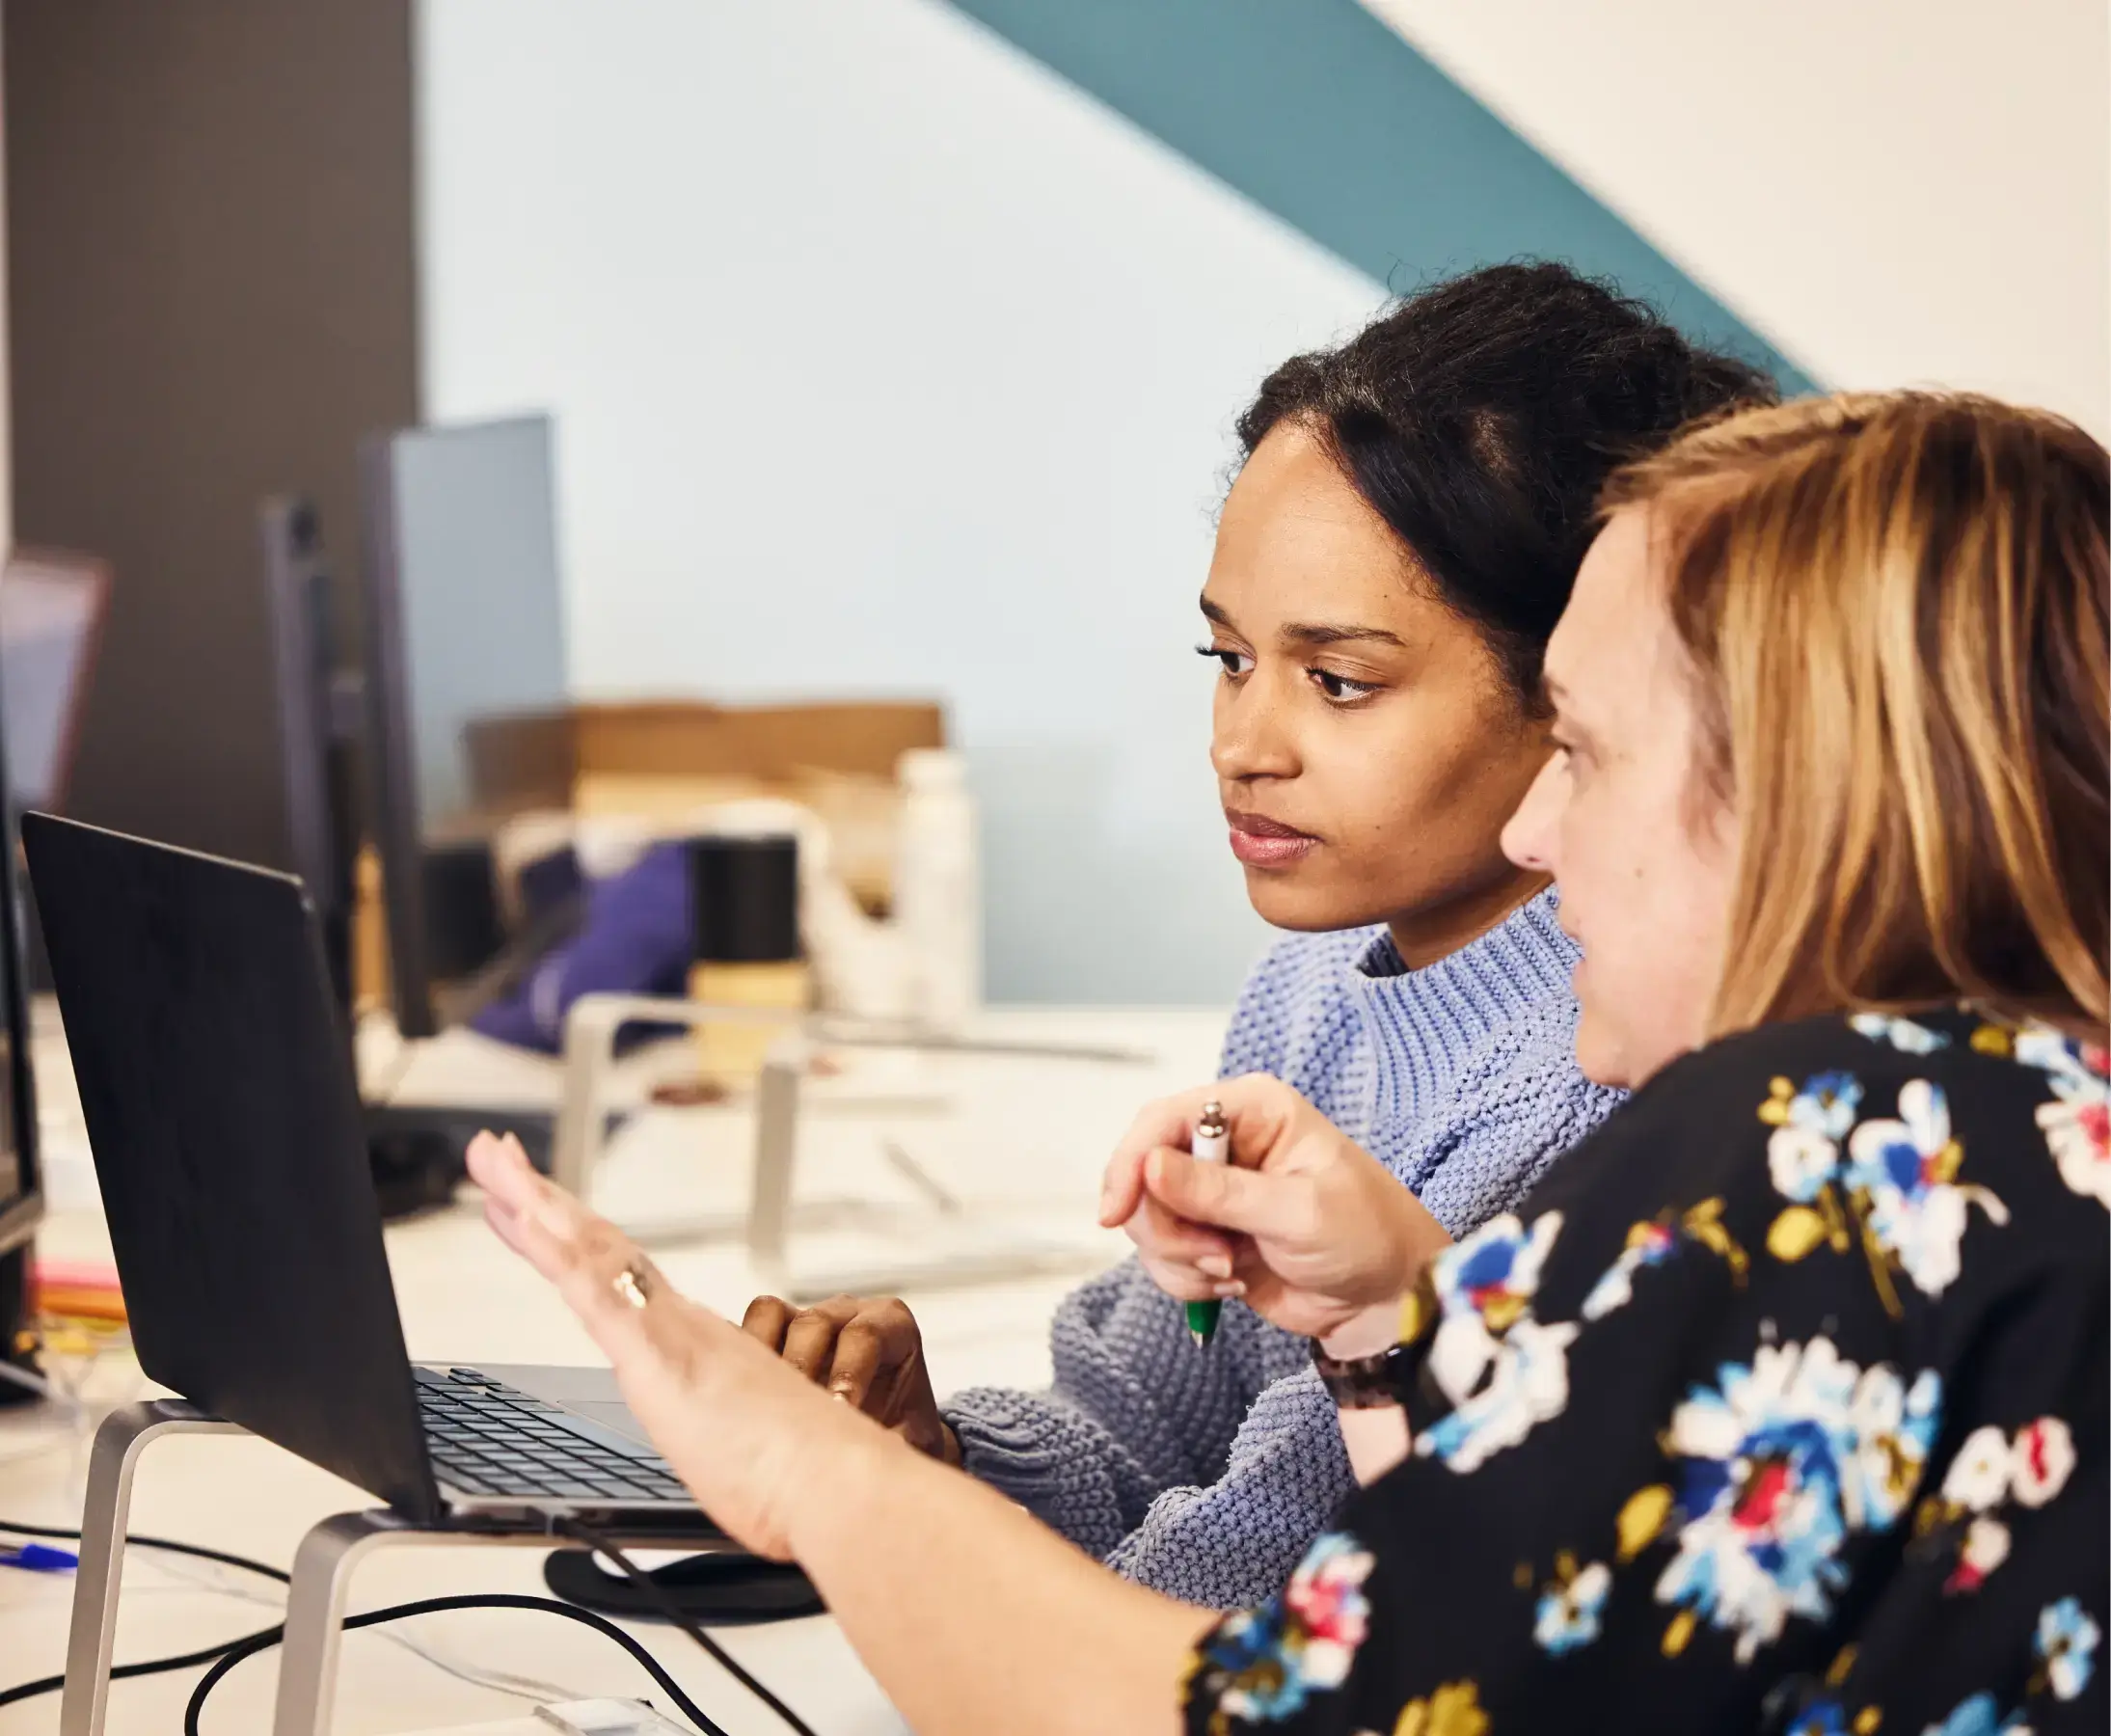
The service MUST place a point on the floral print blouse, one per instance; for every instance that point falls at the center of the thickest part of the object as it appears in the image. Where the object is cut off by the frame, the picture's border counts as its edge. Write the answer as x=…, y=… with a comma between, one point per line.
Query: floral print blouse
x=1781, y=1407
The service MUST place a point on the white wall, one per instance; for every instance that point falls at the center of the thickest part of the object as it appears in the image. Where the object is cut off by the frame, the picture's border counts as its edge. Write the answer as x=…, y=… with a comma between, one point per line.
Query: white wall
x=883, y=363
x=1894, y=191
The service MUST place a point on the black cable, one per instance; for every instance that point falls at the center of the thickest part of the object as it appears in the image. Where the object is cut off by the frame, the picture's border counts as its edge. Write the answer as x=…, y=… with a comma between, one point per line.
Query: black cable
x=168, y=1545
x=148, y=1665
x=656, y=1596
x=225, y=1657
x=122, y=1672
x=228, y=1656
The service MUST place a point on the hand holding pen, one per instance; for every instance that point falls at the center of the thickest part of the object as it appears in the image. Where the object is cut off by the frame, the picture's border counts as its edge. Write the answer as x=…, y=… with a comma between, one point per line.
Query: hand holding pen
x=1301, y=1223
x=1212, y=1143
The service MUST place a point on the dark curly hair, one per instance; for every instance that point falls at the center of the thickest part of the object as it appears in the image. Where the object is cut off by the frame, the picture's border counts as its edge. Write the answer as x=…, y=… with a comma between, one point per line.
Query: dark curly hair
x=1480, y=417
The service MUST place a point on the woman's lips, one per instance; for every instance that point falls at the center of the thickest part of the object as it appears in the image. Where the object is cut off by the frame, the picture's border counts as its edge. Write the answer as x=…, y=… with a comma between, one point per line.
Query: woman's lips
x=1263, y=843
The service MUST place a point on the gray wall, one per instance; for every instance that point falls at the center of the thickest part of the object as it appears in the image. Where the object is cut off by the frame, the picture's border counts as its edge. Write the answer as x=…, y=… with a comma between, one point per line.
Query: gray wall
x=209, y=240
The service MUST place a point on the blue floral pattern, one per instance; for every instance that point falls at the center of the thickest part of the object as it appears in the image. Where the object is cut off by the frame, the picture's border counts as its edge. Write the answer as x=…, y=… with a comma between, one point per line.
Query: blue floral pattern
x=1648, y=1244
x=1571, y=1609
x=1895, y=1191
x=1264, y=1665
x=1776, y=1464
x=2066, y=1641
x=1502, y=1370
x=1907, y=1036
x=1976, y=1716
x=1850, y=1482
x=1905, y=1169
x=2077, y=1121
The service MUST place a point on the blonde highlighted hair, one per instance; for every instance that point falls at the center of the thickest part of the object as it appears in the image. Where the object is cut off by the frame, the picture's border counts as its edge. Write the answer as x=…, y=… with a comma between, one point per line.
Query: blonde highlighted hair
x=1895, y=607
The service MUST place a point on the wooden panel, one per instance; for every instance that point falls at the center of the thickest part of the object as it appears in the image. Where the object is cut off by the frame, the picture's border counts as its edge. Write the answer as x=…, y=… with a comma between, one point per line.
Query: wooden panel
x=209, y=253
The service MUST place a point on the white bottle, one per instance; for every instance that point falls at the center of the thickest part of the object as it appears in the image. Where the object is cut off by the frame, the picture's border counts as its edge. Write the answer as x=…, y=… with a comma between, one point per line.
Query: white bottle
x=937, y=886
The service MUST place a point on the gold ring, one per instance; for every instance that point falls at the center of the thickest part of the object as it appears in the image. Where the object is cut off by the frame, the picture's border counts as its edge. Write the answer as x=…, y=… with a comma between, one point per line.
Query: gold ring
x=632, y=1284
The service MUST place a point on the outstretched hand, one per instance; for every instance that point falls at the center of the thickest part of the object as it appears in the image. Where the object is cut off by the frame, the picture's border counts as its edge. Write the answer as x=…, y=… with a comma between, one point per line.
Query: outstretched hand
x=742, y=1429
x=1306, y=1226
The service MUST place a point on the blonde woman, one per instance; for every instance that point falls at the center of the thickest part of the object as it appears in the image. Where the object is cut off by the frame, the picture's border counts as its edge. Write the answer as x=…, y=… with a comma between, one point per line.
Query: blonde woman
x=1782, y=1405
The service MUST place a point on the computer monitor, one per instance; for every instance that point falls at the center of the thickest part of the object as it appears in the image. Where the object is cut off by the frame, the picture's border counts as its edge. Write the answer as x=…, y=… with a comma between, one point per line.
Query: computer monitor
x=318, y=706
x=52, y=605
x=464, y=622
x=22, y=1199
x=324, y=734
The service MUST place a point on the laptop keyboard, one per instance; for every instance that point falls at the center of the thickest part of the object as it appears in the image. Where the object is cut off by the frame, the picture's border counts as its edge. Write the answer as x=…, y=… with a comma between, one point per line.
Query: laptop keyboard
x=487, y=1438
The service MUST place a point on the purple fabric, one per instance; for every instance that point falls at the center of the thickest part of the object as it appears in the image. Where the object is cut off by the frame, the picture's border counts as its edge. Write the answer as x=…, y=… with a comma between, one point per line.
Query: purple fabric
x=634, y=940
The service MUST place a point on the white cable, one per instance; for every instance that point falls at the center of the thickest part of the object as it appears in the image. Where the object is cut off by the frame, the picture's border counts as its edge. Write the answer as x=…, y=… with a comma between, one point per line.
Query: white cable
x=230, y=1581
x=73, y=1423
x=46, y=1390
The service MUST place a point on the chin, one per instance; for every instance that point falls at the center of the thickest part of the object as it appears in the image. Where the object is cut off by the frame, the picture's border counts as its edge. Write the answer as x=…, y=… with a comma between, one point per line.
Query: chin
x=1280, y=902
x=1600, y=1055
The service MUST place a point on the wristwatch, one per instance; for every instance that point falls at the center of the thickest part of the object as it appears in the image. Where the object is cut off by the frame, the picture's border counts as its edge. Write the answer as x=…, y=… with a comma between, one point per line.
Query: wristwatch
x=1376, y=1381
x=1363, y=1382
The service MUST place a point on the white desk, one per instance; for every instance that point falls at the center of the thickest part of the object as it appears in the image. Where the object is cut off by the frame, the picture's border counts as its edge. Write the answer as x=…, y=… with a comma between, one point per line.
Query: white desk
x=1023, y=1137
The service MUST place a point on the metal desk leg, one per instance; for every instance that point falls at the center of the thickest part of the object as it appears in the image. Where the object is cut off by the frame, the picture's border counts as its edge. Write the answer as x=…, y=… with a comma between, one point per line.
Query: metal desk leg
x=590, y=1031
x=315, y=1613
x=322, y=1581
x=104, y=1525
x=777, y=1145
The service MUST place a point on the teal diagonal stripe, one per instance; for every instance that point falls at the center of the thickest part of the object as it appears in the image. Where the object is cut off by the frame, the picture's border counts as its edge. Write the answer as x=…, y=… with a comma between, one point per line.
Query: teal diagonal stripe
x=1322, y=114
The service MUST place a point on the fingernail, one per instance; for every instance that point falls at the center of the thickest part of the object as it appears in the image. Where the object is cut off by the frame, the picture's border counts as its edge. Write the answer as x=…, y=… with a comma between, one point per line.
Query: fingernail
x=841, y=1395
x=1232, y=1290
x=1217, y=1265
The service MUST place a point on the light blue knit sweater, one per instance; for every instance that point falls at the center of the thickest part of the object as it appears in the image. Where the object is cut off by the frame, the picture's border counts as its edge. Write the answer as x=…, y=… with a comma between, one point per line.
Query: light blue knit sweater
x=1207, y=1474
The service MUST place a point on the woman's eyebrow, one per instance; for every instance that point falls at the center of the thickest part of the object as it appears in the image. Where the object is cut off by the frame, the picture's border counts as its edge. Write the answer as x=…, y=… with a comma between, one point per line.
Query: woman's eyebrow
x=1320, y=633
x=1308, y=633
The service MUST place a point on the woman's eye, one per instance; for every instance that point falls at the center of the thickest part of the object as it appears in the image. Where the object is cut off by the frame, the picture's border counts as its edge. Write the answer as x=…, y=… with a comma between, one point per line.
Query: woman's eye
x=1340, y=687
x=1235, y=663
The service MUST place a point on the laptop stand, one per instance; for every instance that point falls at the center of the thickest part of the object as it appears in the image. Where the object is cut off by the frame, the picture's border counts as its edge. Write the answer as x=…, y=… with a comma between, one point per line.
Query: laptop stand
x=315, y=1600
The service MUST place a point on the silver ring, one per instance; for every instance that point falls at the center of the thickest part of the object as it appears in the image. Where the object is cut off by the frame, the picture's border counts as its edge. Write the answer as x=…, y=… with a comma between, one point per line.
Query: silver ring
x=632, y=1284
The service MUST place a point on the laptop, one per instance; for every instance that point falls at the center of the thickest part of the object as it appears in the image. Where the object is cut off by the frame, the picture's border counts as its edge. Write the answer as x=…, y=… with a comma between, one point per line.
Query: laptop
x=224, y=1121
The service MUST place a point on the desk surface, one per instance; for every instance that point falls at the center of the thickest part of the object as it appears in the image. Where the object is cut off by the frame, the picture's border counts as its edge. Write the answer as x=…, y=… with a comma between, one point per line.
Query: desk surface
x=1020, y=1140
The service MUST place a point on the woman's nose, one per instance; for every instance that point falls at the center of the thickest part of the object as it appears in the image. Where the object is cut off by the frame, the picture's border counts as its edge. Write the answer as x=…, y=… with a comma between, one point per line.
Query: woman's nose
x=1249, y=737
x=1528, y=838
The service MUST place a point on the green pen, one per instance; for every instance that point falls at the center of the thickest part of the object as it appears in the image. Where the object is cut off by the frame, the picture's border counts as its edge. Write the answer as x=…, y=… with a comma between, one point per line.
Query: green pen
x=1212, y=1144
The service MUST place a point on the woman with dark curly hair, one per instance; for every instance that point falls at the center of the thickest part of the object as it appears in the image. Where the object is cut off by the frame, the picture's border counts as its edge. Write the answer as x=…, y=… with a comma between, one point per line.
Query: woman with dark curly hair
x=1399, y=543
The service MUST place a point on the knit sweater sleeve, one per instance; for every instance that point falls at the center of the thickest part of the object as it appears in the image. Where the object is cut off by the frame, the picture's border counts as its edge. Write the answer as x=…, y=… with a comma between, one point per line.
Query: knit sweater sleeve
x=1135, y=1410
x=1135, y=1413
x=1222, y=1543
